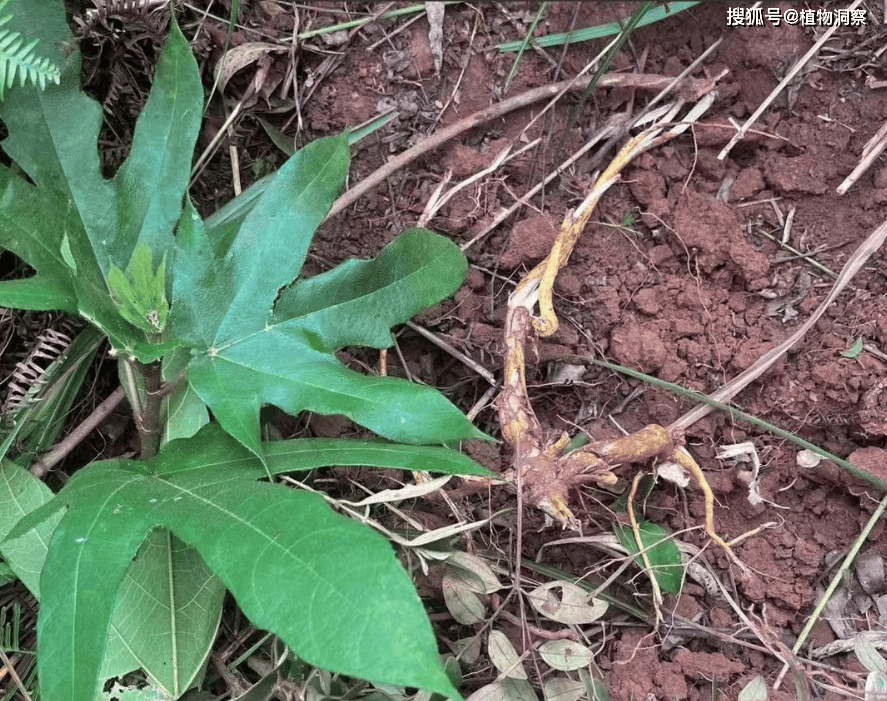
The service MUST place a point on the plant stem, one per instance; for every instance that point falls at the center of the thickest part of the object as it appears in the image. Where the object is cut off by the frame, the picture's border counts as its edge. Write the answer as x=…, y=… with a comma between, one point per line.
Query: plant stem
x=149, y=421
x=132, y=388
x=840, y=575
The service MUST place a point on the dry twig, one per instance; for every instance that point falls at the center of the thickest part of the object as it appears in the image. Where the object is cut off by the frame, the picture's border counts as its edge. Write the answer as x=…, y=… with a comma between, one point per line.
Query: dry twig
x=691, y=88
x=740, y=134
x=71, y=441
x=870, y=152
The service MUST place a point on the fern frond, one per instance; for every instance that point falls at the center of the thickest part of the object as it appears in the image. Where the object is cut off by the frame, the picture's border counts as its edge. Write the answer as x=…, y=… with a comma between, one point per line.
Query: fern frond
x=19, y=59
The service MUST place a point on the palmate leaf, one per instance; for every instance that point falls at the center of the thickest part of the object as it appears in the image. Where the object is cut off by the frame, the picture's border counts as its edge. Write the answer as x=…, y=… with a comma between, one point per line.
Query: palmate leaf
x=295, y=567
x=167, y=609
x=73, y=226
x=21, y=493
x=259, y=339
x=166, y=615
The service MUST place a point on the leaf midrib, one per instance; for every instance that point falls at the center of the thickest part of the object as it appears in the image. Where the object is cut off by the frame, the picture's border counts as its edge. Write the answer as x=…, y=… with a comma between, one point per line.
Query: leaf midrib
x=271, y=542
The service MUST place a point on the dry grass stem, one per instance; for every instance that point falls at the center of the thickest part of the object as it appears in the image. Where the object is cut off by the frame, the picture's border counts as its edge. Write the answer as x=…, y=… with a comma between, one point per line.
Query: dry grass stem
x=642, y=550
x=740, y=134
x=7, y=666
x=436, y=201
x=738, y=383
x=443, y=345
x=613, y=125
x=873, y=148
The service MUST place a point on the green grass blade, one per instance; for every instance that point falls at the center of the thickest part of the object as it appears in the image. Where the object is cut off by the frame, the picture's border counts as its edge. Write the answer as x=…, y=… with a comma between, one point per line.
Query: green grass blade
x=604, y=30
x=358, y=133
x=331, y=29
x=543, y=8
x=663, y=554
x=634, y=21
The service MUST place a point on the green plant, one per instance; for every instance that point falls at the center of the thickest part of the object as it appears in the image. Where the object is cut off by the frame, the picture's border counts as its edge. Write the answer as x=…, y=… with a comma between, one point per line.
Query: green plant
x=131, y=558
x=662, y=554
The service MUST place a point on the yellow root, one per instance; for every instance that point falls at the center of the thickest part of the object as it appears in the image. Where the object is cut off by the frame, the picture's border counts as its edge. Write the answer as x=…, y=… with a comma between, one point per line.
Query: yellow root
x=549, y=473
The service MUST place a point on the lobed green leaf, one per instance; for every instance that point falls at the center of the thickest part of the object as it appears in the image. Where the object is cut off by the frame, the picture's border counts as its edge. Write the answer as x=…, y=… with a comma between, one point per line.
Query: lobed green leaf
x=295, y=567
x=263, y=339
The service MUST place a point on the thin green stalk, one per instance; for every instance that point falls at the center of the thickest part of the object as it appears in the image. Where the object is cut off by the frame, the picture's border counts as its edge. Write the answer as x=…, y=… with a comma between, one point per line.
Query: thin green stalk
x=839, y=575
x=632, y=24
x=411, y=10
x=604, y=30
x=543, y=8
x=736, y=414
x=132, y=389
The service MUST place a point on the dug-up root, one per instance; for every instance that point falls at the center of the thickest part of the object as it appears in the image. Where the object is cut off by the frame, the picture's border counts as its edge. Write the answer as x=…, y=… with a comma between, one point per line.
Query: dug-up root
x=542, y=470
